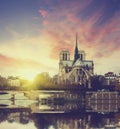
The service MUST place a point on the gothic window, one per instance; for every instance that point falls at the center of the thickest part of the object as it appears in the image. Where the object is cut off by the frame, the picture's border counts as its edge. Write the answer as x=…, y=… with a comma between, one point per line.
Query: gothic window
x=72, y=78
x=63, y=57
x=87, y=67
x=80, y=71
x=77, y=71
x=66, y=70
x=69, y=69
x=81, y=56
x=78, y=78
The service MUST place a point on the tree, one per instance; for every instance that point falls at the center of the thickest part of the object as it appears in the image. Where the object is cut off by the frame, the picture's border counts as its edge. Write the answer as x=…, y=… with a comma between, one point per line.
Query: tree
x=97, y=82
x=42, y=81
x=3, y=83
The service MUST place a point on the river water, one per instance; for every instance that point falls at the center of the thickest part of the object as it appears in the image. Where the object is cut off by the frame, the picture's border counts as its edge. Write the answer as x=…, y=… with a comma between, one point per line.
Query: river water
x=68, y=111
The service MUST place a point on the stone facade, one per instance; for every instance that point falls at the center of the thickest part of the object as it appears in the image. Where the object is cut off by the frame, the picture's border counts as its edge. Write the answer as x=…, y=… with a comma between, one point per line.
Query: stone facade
x=76, y=71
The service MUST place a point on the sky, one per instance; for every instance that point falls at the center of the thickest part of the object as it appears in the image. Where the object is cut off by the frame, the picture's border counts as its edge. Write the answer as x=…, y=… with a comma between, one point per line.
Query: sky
x=33, y=32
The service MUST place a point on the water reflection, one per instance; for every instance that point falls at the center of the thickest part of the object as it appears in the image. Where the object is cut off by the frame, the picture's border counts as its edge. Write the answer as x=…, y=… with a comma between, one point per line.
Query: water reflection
x=77, y=121
x=24, y=119
x=60, y=110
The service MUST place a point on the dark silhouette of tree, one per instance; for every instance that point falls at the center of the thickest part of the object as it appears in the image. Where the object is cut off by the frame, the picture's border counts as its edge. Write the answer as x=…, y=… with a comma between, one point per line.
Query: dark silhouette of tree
x=42, y=81
x=3, y=83
x=97, y=82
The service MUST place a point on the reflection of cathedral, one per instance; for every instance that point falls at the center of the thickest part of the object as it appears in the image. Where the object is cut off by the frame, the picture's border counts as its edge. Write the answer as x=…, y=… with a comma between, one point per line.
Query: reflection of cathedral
x=77, y=71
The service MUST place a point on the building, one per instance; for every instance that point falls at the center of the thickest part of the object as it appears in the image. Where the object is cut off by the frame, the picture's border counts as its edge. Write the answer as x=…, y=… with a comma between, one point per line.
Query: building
x=13, y=81
x=112, y=79
x=77, y=71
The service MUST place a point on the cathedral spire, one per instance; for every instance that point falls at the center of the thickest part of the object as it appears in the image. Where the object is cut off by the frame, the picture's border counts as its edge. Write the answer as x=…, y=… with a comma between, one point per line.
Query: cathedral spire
x=76, y=40
x=76, y=55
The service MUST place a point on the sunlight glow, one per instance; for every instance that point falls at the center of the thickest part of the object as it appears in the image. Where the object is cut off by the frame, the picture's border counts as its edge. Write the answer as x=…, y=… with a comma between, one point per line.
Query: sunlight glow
x=28, y=74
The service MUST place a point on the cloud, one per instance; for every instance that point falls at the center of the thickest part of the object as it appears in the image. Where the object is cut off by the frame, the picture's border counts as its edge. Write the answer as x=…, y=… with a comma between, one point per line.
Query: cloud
x=55, y=26
x=62, y=35
x=23, y=67
x=98, y=31
x=43, y=12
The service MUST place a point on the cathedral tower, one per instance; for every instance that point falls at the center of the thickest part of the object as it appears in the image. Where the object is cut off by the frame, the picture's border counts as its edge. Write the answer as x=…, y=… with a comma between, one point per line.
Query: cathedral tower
x=76, y=54
x=64, y=55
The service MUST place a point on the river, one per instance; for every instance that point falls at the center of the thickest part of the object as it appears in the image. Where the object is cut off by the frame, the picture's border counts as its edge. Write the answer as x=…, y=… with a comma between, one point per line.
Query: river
x=60, y=110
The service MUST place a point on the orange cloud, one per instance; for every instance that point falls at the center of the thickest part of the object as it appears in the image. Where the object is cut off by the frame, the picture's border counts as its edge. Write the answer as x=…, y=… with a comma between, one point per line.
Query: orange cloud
x=99, y=41
x=43, y=12
x=21, y=67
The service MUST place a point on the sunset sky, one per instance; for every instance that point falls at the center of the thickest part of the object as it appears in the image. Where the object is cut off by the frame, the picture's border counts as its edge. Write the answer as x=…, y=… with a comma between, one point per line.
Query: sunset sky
x=33, y=32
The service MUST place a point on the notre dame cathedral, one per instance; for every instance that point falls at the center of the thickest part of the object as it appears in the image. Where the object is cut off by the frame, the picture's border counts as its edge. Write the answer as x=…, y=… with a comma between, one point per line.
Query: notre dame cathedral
x=77, y=71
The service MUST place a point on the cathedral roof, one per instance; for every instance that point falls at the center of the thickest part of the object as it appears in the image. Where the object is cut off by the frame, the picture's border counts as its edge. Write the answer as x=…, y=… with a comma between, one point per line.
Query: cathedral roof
x=67, y=63
x=79, y=62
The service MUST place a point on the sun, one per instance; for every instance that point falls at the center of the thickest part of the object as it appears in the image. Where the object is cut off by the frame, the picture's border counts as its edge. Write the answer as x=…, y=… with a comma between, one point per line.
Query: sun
x=28, y=74
x=29, y=77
